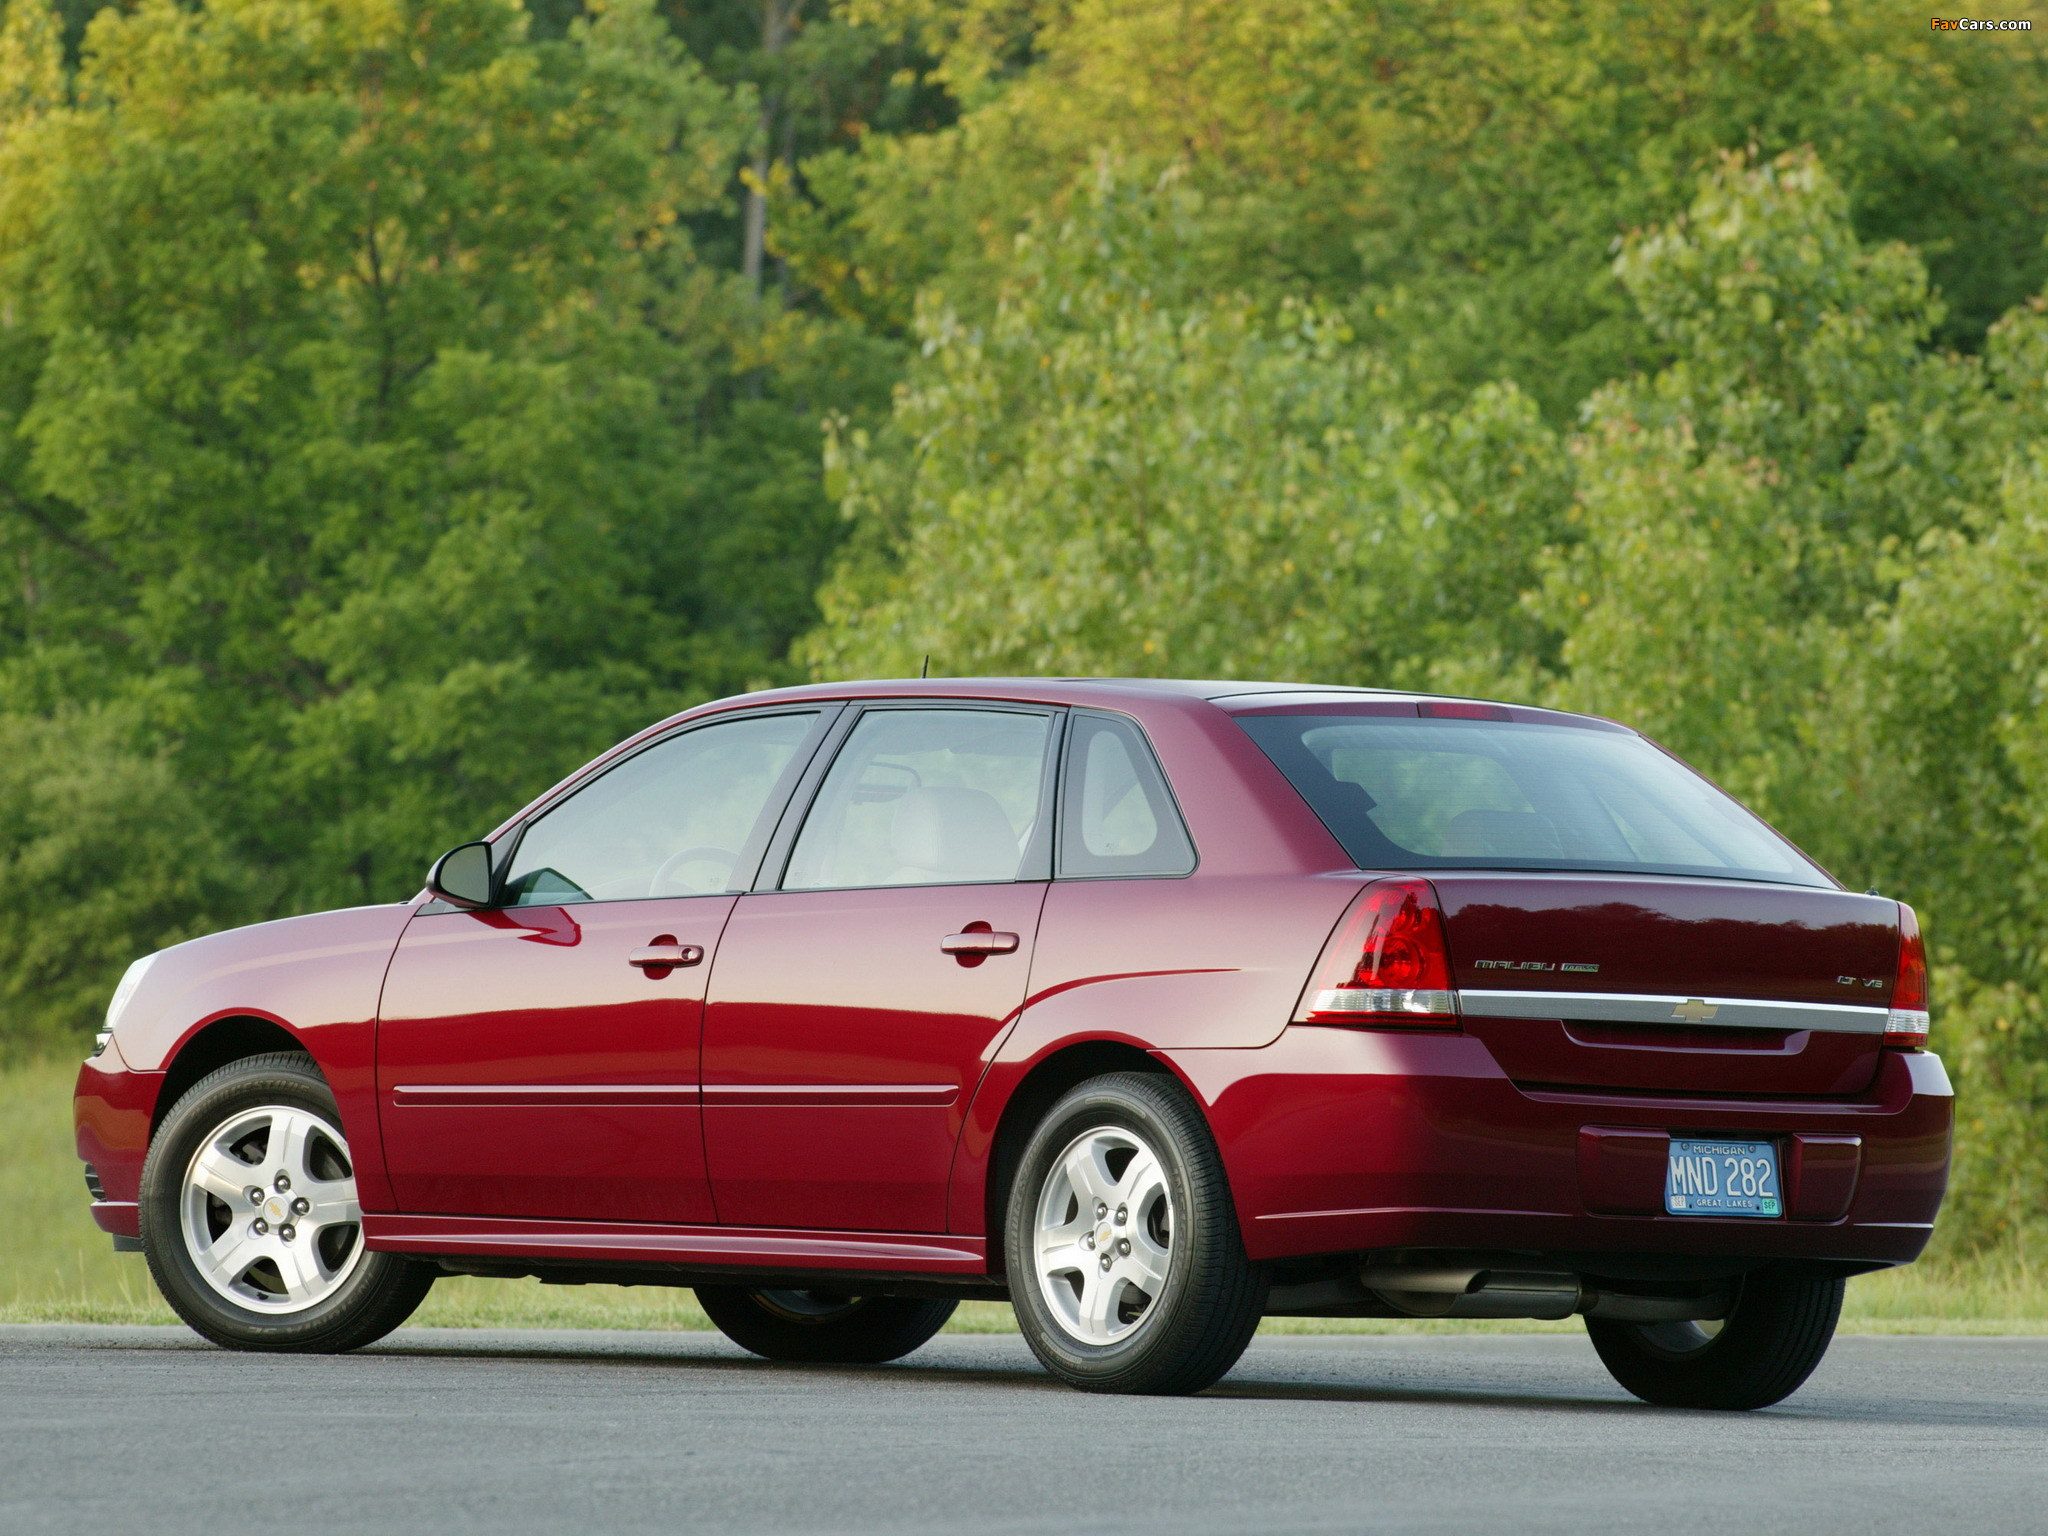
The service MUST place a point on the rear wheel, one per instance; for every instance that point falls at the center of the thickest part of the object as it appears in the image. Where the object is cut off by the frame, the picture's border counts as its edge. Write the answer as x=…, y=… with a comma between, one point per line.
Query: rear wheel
x=822, y=1326
x=250, y=1219
x=1125, y=1263
x=1776, y=1332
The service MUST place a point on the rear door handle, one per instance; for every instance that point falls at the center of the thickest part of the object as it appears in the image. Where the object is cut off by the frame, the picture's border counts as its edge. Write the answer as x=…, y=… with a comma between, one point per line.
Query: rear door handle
x=665, y=955
x=979, y=941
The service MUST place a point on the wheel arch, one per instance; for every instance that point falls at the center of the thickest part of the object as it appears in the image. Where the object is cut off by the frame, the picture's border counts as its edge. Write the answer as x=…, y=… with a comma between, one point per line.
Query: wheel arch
x=215, y=1044
x=1044, y=1082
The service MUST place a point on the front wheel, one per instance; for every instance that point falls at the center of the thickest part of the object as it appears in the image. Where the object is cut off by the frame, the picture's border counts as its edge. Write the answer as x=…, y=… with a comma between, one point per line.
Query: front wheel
x=822, y=1326
x=1125, y=1262
x=1774, y=1335
x=250, y=1220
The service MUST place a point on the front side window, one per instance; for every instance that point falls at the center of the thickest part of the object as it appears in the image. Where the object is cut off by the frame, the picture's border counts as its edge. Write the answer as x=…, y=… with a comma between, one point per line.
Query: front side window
x=925, y=797
x=1117, y=817
x=1403, y=793
x=672, y=820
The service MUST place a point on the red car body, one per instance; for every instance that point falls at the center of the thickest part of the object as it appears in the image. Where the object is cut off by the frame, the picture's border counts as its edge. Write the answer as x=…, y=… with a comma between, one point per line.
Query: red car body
x=827, y=1090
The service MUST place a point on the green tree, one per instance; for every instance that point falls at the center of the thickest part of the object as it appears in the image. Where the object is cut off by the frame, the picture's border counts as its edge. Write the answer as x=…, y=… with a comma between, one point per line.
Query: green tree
x=1947, y=731
x=1452, y=175
x=349, y=381
x=1098, y=480
x=105, y=856
x=1754, y=520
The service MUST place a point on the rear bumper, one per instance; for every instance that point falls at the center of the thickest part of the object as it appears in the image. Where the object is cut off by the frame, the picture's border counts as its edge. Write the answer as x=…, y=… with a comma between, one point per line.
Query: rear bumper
x=1342, y=1141
x=112, y=1107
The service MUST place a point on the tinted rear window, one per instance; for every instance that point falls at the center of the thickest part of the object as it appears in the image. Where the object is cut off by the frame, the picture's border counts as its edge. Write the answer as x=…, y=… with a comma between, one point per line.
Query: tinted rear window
x=1403, y=793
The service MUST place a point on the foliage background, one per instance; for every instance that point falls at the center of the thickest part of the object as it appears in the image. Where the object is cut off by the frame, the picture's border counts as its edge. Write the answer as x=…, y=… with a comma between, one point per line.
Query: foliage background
x=401, y=399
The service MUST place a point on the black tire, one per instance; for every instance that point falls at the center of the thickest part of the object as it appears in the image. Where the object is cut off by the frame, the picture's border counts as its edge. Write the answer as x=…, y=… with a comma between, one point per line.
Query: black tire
x=822, y=1326
x=1780, y=1325
x=382, y=1290
x=1213, y=1296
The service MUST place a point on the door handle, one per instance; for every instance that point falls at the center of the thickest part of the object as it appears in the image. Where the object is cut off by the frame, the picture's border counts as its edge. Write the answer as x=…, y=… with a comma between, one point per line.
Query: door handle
x=979, y=941
x=665, y=955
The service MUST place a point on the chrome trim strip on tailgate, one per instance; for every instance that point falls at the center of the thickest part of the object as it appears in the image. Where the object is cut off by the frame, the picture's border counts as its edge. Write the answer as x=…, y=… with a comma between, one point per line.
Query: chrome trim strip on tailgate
x=1656, y=1008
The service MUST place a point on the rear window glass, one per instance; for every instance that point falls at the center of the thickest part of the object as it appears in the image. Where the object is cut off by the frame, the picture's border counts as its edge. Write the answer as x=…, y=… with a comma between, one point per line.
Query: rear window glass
x=1404, y=793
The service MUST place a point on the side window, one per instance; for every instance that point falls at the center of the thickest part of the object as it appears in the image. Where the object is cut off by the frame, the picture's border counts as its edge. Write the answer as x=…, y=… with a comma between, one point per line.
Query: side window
x=925, y=797
x=672, y=820
x=1117, y=817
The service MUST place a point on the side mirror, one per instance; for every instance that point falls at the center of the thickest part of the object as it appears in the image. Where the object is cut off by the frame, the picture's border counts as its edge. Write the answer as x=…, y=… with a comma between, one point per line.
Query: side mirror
x=462, y=876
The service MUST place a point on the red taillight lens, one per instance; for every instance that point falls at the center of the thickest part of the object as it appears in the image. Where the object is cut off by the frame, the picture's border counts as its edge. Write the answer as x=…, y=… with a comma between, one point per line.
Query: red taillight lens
x=1905, y=1027
x=1386, y=964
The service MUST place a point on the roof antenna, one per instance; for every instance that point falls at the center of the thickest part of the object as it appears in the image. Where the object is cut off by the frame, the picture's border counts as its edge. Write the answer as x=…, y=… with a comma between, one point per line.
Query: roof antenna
x=926, y=669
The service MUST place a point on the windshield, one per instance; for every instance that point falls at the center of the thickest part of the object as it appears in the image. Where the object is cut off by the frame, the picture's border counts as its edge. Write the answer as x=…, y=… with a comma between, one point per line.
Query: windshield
x=1403, y=793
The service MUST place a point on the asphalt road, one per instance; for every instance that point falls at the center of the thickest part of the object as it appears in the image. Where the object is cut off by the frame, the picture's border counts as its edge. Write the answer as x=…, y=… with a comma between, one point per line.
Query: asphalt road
x=112, y=1430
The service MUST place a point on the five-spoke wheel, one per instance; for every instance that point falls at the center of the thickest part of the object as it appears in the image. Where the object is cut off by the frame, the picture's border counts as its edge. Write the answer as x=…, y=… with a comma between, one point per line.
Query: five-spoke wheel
x=270, y=1215
x=251, y=1221
x=1124, y=1259
x=1105, y=1235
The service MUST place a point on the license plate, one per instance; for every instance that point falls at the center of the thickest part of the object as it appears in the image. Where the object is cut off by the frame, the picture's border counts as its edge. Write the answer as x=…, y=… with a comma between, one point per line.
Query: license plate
x=1722, y=1178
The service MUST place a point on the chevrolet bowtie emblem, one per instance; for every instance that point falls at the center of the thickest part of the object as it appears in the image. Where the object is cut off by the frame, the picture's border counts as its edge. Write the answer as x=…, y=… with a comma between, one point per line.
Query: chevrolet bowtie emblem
x=1694, y=1010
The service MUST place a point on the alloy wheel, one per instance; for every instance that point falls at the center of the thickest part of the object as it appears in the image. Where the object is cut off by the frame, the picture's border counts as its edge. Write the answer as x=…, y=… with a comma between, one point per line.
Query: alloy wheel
x=1104, y=1235
x=269, y=1211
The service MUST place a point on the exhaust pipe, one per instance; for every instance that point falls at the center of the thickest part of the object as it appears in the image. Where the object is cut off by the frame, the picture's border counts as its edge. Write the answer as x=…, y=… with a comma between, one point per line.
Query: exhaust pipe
x=1466, y=1290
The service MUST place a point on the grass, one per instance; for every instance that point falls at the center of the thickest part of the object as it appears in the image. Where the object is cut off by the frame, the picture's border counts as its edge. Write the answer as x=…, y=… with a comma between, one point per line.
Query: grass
x=56, y=1266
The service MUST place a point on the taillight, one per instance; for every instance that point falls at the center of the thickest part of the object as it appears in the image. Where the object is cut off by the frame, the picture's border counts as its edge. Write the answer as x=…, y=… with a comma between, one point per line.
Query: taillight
x=1386, y=964
x=1905, y=1027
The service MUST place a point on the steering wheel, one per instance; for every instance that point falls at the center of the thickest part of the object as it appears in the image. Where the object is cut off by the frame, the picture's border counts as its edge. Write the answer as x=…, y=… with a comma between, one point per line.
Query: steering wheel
x=658, y=886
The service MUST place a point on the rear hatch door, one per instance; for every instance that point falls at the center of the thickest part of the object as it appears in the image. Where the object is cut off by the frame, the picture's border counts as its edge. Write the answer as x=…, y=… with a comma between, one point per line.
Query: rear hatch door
x=1670, y=984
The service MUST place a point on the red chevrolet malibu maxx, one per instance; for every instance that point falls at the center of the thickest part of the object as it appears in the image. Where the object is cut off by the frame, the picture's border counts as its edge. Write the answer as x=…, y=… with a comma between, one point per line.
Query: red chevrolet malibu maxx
x=1153, y=1007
